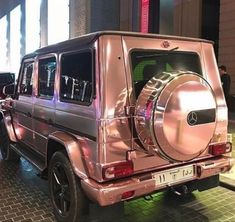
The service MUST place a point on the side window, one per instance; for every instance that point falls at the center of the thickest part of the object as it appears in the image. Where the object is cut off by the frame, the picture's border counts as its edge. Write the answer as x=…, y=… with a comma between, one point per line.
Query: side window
x=6, y=78
x=46, y=77
x=26, y=86
x=76, y=77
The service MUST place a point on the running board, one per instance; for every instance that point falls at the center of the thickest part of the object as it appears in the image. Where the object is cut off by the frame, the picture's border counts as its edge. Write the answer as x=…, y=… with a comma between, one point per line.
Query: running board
x=34, y=158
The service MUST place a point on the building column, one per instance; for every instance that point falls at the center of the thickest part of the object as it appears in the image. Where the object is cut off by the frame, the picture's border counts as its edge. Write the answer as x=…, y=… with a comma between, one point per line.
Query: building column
x=79, y=17
x=126, y=15
x=44, y=23
x=8, y=40
x=22, y=29
x=136, y=16
x=187, y=18
x=104, y=15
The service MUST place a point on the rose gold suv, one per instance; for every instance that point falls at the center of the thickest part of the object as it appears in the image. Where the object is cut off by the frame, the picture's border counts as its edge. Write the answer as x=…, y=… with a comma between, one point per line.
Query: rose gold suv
x=112, y=116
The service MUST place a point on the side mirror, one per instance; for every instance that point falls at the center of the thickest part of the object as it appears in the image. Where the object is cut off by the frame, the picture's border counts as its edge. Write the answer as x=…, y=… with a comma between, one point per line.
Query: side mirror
x=9, y=90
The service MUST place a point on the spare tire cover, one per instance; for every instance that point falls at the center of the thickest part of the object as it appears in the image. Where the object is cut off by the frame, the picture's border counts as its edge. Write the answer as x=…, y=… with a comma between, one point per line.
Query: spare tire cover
x=175, y=115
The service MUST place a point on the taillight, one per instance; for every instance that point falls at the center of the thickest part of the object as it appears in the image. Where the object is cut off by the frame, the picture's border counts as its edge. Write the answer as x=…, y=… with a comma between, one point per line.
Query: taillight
x=218, y=149
x=118, y=170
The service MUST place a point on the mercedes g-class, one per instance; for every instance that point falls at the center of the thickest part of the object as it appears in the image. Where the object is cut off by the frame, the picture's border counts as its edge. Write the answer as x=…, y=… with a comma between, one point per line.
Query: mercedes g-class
x=112, y=116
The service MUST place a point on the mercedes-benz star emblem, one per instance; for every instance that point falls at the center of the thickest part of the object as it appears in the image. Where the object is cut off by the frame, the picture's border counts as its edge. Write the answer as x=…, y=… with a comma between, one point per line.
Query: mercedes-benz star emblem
x=192, y=118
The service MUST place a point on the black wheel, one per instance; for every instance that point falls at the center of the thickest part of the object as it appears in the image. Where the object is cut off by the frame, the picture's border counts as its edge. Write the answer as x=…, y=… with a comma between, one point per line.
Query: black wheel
x=68, y=200
x=6, y=152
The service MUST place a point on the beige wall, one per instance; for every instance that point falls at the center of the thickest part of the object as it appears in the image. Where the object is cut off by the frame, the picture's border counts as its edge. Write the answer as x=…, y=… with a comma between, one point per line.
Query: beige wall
x=227, y=38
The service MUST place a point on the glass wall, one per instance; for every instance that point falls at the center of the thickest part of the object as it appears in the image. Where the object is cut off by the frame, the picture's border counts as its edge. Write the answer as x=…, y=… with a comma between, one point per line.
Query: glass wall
x=15, y=37
x=32, y=16
x=58, y=21
x=3, y=44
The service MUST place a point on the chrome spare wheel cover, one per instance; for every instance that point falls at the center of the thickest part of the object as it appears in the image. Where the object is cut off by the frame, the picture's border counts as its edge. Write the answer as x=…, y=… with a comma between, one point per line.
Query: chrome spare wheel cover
x=175, y=115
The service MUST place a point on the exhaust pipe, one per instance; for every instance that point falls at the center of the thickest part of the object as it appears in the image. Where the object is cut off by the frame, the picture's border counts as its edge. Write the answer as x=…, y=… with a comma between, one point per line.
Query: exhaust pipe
x=180, y=191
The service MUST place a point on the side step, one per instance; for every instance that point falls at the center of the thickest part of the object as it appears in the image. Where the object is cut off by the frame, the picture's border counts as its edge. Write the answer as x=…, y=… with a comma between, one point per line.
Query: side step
x=34, y=158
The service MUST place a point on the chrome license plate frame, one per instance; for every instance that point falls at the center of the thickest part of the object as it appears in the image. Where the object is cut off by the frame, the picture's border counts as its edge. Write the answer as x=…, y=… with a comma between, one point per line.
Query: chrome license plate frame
x=174, y=176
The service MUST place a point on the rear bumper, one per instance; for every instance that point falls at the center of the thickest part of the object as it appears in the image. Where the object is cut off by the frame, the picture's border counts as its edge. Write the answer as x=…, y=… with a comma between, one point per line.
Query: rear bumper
x=111, y=192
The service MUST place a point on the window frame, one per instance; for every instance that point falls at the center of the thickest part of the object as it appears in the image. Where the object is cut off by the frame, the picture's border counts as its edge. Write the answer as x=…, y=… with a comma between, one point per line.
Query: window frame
x=46, y=56
x=23, y=63
x=79, y=51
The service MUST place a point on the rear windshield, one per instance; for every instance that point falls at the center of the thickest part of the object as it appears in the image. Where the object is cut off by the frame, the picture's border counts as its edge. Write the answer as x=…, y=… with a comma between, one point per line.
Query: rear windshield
x=149, y=63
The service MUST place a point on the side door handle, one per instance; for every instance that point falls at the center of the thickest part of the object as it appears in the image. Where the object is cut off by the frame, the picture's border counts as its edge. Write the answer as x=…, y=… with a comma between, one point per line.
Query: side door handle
x=29, y=114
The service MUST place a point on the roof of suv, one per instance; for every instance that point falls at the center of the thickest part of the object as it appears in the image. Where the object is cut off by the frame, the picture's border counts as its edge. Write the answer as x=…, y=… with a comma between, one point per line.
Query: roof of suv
x=3, y=73
x=88, y=39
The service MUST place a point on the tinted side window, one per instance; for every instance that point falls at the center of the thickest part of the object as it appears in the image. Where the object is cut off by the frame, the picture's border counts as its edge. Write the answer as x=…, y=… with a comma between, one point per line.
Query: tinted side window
x=6, y=78
x=26, y=86
x=76, y=77
x=46, y=77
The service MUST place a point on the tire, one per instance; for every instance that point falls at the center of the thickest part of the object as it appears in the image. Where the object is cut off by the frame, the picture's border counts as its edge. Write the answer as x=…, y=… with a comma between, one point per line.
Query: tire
x=68, y=200
x=6, y=152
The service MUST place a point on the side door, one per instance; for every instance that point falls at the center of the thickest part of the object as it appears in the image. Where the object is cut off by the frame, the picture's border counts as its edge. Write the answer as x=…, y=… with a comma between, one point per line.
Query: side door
x=22, y=106
x=74, y=109
x=44, y=104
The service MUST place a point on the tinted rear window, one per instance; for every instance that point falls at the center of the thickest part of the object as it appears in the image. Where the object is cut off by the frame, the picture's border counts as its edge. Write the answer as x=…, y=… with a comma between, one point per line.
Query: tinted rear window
x=146, y=64
x=149, y=63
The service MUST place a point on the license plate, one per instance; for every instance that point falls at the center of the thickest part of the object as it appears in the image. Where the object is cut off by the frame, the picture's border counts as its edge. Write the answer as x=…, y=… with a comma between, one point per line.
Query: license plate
x=174, y=175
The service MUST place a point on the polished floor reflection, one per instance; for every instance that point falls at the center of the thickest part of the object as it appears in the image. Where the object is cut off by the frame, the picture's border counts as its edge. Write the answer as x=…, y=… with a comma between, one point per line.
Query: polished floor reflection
x=24, y=197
